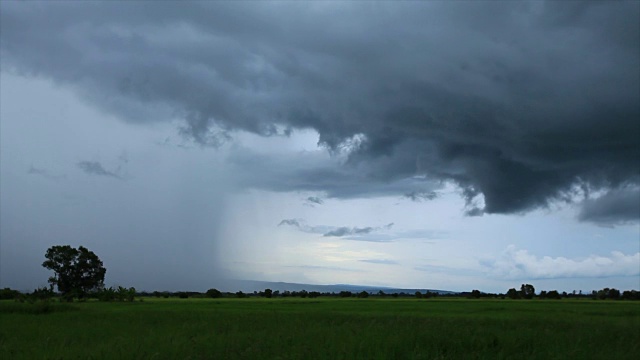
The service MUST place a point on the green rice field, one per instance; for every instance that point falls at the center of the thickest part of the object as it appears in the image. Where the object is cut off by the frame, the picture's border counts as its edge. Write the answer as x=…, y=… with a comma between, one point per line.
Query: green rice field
x=322, y=328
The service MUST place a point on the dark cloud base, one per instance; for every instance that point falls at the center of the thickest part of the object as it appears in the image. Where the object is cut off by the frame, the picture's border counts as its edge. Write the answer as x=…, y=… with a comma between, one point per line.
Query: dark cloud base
x=520, y=102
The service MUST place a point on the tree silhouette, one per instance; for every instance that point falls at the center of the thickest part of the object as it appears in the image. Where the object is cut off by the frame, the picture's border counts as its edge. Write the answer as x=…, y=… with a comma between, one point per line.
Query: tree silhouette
x=77, y=271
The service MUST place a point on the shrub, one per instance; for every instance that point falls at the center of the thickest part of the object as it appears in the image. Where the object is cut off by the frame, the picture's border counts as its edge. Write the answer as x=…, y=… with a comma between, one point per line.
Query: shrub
x=213, y=293
x=9, y=294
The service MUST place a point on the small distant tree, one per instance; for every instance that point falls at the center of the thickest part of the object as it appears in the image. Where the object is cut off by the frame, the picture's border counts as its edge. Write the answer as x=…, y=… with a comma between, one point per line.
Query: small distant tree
x=213, y=293
x=106, y=294
x=631, y=295
x=513, y=294
x=608, y=293
x=418, y=295
x=268, y=293
x=553, y=294
x=76, y=271
x=240, y=294
x=345, y=294
x=124, y=294
x=475, y=294
x=363, y=294
x=527, y=291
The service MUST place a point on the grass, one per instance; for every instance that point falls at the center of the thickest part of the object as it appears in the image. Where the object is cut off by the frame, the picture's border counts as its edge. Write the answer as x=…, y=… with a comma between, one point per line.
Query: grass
x=322, y=328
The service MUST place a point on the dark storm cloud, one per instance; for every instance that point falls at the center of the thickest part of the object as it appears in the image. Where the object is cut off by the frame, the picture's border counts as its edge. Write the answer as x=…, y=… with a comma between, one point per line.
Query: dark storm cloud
x=96, y=168
x=615, y=207
x=316, y=171
x=516, y=102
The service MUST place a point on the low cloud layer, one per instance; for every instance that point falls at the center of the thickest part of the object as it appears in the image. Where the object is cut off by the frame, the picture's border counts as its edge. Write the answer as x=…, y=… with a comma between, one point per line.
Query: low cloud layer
x=518, y=264
x=518, y=103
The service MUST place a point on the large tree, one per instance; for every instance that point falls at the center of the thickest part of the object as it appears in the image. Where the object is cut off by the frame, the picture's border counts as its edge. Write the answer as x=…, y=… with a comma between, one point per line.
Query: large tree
x=77, y=271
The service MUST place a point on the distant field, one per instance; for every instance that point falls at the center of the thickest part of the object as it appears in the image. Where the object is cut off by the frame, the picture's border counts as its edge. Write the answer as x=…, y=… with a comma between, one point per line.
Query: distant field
x=323, y=328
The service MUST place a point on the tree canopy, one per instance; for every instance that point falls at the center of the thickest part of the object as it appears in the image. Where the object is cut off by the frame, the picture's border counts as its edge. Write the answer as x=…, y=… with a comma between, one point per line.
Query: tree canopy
x=77, y=271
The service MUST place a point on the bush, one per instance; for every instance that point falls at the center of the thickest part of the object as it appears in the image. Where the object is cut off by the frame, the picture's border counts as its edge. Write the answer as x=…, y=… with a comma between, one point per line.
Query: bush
x=119, y=294
x=9, y=294
x=213, y=293
x=42, y=293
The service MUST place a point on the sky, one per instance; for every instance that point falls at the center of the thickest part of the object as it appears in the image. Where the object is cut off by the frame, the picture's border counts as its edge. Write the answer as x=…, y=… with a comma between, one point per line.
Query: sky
x=436, y=145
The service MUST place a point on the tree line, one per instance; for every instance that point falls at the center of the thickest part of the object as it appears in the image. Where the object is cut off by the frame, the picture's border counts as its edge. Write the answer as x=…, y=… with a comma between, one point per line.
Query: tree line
x=79, y=274
x=527, y=291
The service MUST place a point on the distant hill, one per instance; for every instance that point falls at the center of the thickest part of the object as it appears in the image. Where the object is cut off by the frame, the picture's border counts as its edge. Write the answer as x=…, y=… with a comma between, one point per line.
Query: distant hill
x=249, y=286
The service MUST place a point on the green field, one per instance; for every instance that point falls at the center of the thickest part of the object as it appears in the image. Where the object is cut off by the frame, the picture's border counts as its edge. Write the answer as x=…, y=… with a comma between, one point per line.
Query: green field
x=322, y=328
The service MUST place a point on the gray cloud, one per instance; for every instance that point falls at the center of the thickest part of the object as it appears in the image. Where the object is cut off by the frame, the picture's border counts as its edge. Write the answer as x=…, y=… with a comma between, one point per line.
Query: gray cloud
x=615, y=207
x=96, y=168
x=291, y=222
x=421, y=196
x=301, y=225
x=342, y=231
x=348, y=233
x=44, y=173
x=315, y=200
x=474, y=211
x=317, y=171
x=378, y=234
x=509, y=100
x=380, y=261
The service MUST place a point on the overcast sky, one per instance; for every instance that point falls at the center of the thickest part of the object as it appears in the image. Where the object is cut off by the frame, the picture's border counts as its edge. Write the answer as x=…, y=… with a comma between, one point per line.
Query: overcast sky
x=443, y=145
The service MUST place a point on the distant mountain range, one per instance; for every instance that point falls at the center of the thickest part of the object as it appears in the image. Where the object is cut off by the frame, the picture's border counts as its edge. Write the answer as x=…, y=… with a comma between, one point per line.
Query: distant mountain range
x=249, y=286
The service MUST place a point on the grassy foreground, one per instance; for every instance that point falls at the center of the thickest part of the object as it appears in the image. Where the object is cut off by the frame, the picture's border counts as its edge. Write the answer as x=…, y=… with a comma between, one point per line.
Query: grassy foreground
x=322, y=328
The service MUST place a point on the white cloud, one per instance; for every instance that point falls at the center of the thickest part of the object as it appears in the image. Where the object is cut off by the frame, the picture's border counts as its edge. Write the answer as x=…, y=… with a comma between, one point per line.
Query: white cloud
x=520, y=264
